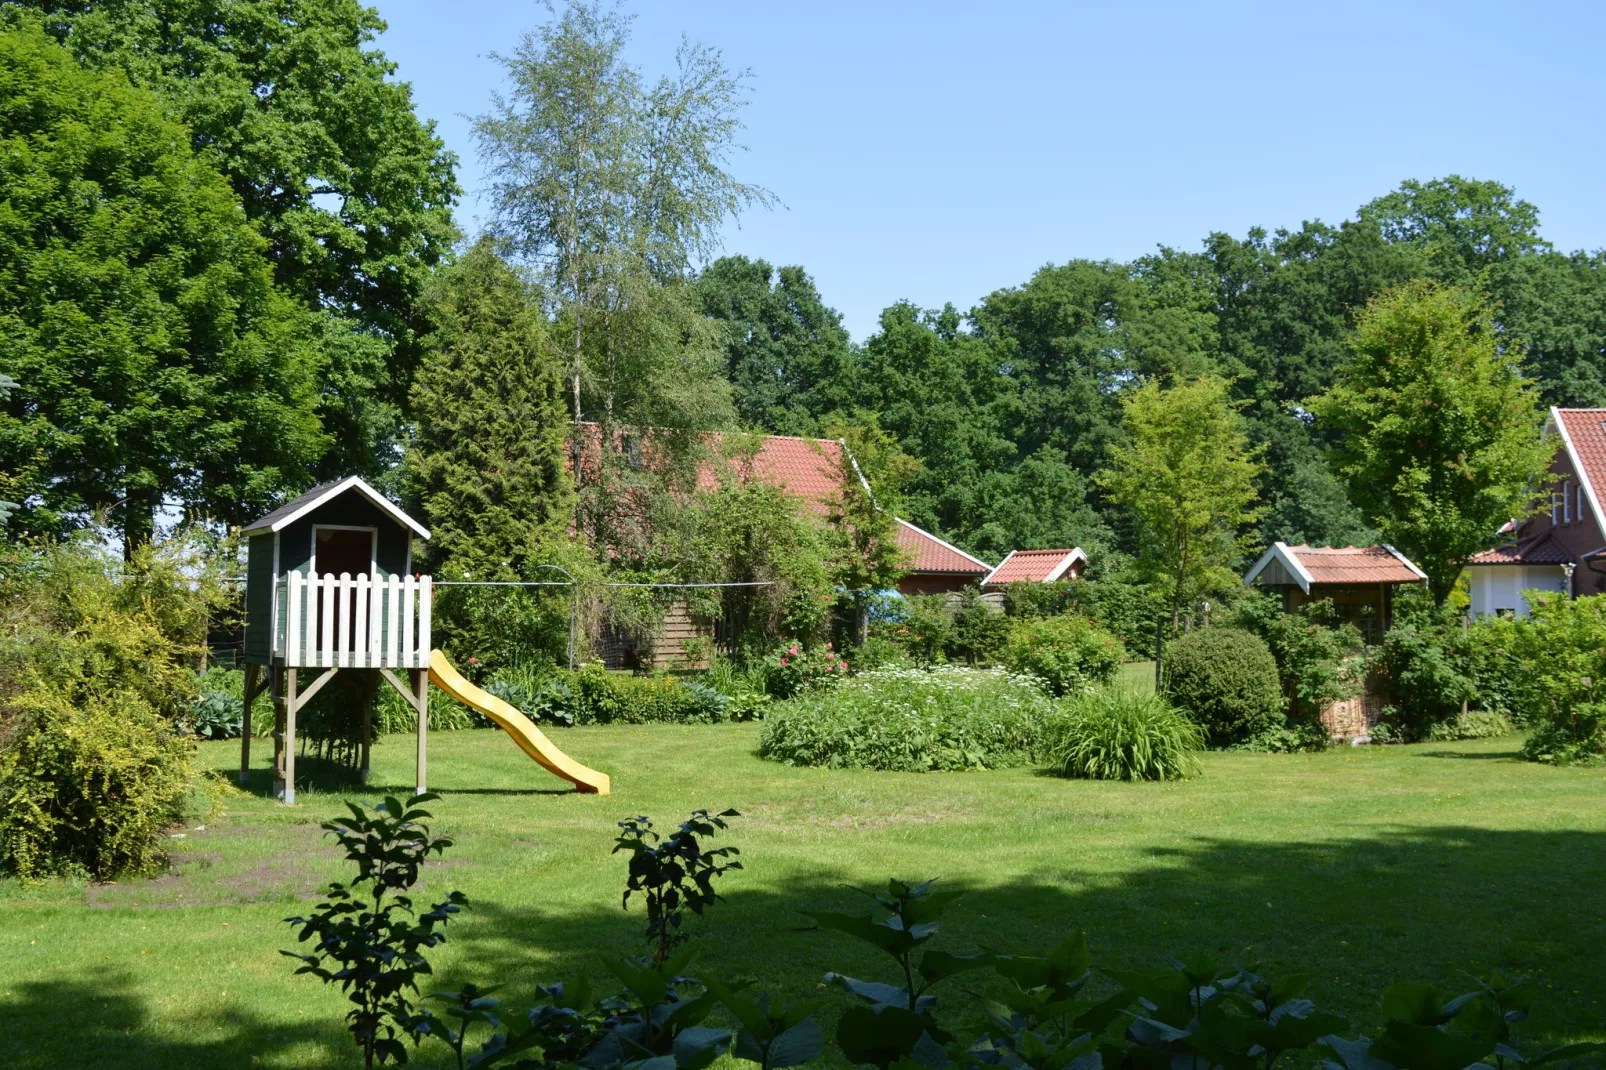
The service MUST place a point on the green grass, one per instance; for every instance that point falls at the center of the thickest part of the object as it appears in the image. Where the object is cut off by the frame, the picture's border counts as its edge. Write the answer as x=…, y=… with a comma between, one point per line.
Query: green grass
x=1367, y=864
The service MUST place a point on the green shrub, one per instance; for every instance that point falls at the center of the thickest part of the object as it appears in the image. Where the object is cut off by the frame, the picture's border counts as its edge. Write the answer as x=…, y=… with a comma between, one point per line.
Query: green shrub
x=1226, y=680
x=1578, y=736
x=394, y=715
x=912, y=720
x=93, y=689
x=1024, y=598
x=1424, y=660
x=1319, y=659
x=980, y=630
x=1113, y=735
x=1549, y=672
x=216, y=715
x=1474, y=724
x=922, y=627
x=91, y=790
x=792, y=668
x=1068, y=654
x=1286, y=739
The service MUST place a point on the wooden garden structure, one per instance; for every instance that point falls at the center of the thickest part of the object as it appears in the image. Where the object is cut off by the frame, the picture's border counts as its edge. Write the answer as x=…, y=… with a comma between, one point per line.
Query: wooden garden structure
x=329, y=589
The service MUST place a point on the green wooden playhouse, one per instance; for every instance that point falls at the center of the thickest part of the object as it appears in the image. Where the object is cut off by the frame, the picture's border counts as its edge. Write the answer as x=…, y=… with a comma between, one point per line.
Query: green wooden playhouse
x=330, y=587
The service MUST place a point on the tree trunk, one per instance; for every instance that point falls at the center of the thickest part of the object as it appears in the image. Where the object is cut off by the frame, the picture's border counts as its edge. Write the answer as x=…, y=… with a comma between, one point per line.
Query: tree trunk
x=138, y=520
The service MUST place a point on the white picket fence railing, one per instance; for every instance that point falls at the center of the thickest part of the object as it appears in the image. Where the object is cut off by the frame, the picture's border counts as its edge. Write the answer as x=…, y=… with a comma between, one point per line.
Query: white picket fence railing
x=344, y=623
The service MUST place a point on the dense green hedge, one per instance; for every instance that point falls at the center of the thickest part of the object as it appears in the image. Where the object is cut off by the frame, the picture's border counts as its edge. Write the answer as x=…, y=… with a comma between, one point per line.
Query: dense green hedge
x=912, y=720
x=1068, y=654
x=1226, y=681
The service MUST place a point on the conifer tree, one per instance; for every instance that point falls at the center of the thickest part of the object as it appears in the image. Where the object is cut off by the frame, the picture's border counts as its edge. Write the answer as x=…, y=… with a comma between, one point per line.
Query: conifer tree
x=487, y=466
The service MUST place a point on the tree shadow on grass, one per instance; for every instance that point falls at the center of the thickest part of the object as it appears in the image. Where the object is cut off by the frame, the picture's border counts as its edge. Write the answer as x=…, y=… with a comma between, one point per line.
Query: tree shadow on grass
x=1363, y=908
x=102, y=1021
x=1435, y=905
x=1474, y=755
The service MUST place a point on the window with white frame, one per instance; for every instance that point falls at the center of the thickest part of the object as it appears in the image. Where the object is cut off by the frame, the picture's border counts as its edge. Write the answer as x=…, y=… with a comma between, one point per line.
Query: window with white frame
x=1566, y=502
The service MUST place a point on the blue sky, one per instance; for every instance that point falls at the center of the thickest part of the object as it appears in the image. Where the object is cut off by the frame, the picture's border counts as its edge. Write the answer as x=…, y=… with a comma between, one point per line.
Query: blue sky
x=938, y=151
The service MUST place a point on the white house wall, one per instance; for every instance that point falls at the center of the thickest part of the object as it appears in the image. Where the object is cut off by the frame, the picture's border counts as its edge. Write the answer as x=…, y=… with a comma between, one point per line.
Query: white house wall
x=1504, y=587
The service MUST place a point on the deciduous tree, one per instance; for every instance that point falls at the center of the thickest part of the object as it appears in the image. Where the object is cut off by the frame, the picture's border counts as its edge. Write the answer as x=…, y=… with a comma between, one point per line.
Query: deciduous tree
x=1187, y=475
x=321, y=145
x=1438, y=433
x=157, y=360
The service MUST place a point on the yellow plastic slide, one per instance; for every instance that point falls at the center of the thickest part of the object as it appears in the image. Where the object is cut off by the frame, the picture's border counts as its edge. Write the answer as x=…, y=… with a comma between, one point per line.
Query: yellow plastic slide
x=530, y=739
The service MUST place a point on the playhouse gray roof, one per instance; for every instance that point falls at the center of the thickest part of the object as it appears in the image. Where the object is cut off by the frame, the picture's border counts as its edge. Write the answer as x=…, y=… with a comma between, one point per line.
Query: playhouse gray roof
x=293, y=510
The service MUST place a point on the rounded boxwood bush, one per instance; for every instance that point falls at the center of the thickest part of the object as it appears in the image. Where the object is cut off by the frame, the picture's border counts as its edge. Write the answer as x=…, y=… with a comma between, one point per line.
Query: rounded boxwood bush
x=1111, y=735
x=1226, y=680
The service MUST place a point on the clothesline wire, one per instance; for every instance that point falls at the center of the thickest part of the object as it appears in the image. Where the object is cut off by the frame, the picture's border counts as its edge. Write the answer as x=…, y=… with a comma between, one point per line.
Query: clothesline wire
x=562, y=583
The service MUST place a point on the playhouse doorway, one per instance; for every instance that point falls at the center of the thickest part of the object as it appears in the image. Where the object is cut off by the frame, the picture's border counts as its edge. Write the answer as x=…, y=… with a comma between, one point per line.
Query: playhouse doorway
x=344, y=549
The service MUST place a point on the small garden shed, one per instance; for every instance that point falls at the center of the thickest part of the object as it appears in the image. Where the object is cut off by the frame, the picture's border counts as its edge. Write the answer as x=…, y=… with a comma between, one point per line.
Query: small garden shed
x=1037, y=566
x=1358, y=580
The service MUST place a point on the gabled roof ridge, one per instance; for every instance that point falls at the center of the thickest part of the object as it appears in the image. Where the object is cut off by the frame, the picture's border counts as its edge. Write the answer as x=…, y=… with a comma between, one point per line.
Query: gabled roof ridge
x=1579, y=467
x=943, y=542
x=297, y=507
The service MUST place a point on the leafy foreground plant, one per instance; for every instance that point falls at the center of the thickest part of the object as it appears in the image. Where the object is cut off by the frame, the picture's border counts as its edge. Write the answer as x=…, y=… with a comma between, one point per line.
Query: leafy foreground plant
x=371, y=946
x=1112, y=735
x=673, y=873
x=1182, y=1016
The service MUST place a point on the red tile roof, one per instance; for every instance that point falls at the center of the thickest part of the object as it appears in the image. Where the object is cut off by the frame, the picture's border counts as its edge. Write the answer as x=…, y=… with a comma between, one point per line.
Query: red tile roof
x=1034, y=566
x=810, y=469
x=1339, y=564
x=1584, y=432
x=927, y=553
x=806, y=468
x=1542, y=550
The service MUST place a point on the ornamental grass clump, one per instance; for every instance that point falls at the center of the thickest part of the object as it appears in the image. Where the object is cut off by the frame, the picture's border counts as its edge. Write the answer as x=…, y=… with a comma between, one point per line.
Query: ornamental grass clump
x=913, y=720
x=1114, y=735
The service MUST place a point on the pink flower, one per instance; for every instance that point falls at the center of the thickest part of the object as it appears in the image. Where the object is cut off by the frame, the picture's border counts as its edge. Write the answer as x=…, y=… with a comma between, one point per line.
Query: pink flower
x=828, y=646
x=828, y=668
x=793, y=651
x=473, y=661
x=842, y=664
x=783, y=660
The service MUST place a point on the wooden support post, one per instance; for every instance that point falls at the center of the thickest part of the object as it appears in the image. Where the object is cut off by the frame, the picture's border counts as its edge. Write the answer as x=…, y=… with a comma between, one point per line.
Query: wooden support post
x=277, y=683
x=253, y=687
x=420, y=681
x=370, y=691
x=291, y=700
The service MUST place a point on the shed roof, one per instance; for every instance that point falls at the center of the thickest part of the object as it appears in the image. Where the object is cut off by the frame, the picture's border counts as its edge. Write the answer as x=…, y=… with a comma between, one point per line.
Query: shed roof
x=927, y=553
x=1034, y=566
x=1313, y=565
x=295, y=509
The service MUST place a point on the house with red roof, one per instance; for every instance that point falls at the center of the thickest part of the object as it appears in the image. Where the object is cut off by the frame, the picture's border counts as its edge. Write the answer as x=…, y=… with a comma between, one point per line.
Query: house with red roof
x=811, y=471
x=1560, y=550
x=1358, y=580
x=1037, y=566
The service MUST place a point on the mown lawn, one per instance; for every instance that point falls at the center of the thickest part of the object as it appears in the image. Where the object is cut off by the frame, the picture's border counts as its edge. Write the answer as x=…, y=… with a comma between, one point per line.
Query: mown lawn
x=1368, y=864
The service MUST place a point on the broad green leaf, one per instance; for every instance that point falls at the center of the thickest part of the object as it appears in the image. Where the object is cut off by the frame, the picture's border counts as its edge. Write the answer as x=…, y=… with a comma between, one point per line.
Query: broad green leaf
x=878, y=1035
x=1414, y=1003
x=936, y=965
x=1425, y=1047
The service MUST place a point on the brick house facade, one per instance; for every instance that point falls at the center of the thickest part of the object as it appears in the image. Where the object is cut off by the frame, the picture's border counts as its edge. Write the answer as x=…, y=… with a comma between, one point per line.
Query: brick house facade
x=1563, y=549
